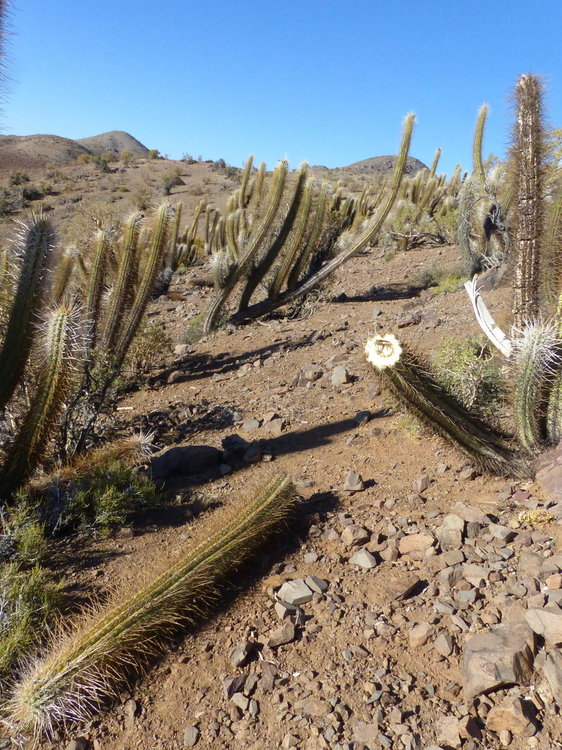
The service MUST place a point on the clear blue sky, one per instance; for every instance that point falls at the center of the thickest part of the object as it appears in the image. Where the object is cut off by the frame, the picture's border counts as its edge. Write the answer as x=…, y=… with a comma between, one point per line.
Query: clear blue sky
x=324, y=81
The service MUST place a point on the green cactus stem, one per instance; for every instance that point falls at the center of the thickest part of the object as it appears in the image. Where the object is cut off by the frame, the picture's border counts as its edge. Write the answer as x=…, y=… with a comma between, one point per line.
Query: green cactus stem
x=88, y=666
x=56, y=375
x=272, y=253
x=254, y=245
x=536, y=359
x=409, y=380
x=528, y=166
x=34, y=245
x=121, y=293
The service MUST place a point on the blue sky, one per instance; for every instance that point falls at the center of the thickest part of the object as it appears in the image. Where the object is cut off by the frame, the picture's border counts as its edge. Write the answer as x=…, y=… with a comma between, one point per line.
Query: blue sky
x=327, y=82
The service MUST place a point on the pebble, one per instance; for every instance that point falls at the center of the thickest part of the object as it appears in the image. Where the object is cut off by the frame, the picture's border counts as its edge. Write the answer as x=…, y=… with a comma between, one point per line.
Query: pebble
x=282, y=635
x=364, y=559
x=340, y=376
x=353, y=482
x=191, y=736
x=295, y=592
x=515, y=715
x=354, y=535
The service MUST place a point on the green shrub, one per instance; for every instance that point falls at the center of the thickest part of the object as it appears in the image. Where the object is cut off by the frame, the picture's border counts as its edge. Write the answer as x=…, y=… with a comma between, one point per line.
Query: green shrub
x=22, y=538
x=28, y=602
x=19, y=177
x=468, y=369
x=106, y=498
x=148, y=349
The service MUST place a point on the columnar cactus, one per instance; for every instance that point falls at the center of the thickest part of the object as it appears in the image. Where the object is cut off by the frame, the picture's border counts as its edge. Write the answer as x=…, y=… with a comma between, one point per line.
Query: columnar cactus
x=410, y=381
x=91, y=663
x=528, y=168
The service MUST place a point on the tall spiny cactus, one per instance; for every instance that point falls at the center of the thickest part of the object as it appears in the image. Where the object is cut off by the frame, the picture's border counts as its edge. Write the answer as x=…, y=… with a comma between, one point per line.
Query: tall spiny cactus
x=254, y=245
x=270, y=255
x=93, y=661
x=528, y=166
x=35, y=242
x=61, y=345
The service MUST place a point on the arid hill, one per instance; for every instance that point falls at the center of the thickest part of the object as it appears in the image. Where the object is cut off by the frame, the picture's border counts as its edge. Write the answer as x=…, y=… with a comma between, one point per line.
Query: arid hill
x=35, y=151
x=114, y=141
x=383, y=164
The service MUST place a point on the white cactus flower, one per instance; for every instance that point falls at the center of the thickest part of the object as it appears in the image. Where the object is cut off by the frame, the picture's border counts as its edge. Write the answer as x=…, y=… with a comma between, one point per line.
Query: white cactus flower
x=383, y=351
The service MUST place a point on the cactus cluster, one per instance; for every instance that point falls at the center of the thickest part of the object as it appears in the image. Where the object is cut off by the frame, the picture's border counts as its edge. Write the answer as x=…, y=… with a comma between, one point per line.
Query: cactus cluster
x=426, y=208
x=282, y=237
x=517, y=223
x=66, y=328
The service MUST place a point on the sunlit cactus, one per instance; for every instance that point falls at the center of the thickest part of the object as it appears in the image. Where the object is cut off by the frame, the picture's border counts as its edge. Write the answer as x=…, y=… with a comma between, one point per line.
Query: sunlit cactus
x=86, y=667
x=409, y=380
x=527, y=155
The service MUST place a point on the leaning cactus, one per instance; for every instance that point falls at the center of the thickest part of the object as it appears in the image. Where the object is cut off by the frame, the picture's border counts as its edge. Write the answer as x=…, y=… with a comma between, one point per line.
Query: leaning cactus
x=408, y=379
x=86, y=667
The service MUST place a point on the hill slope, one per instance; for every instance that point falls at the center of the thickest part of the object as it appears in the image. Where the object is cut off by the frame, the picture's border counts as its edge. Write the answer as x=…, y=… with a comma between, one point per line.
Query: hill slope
x=113, y=141
x=34, y=151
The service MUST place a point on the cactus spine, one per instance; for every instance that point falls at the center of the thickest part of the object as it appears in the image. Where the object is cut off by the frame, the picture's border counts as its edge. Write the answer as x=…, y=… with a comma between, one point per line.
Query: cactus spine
x=88, y=667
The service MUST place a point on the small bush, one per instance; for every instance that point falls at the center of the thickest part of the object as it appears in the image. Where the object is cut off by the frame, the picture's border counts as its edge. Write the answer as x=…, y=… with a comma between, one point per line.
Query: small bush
x=469, y=370
x=127, y=157
x=105, y=499
x=153, y=154
x=148, y=349
x=142, y=198
x=32, y=193
x=22, y=539
x=28, y=602
x=19, y=178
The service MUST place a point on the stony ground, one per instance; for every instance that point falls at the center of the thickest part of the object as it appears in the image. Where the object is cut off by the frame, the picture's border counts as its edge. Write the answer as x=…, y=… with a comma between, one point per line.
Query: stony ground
x=414, y=602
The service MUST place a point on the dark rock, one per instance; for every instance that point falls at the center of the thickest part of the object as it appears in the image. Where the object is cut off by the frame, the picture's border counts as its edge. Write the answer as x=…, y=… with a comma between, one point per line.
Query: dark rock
x=184, y=460
x=80, y=743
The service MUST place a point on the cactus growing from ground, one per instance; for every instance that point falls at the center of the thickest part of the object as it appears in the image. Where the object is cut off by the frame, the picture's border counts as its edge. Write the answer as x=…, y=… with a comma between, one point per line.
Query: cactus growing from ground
x=527, y=153
x=61, y=345
x=87, y=666
x=34, y=246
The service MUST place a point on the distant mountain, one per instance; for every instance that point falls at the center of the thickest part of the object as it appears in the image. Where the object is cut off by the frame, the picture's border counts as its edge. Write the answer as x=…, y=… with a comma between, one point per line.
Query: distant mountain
x=34, y=151
x=114, y=141
x=377, y=164
x=384, y=164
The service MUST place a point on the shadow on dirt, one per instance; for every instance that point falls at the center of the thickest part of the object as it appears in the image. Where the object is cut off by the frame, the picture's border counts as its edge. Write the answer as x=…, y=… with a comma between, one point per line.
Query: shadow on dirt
x=385, y=293
x=203, y=365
